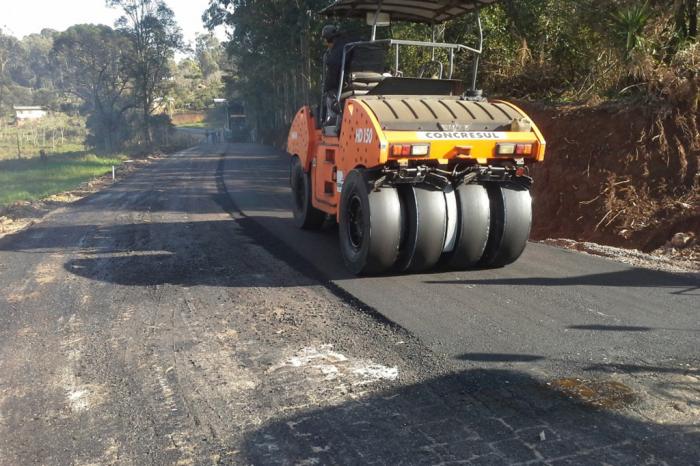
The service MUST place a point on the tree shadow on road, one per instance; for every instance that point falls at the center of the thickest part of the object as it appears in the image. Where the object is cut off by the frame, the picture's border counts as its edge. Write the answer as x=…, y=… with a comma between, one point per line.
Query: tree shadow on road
x=212, y=253
x=479, y=416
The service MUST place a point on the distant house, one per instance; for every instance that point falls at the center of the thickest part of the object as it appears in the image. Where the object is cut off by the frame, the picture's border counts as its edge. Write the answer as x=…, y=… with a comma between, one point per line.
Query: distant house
x=29, y=113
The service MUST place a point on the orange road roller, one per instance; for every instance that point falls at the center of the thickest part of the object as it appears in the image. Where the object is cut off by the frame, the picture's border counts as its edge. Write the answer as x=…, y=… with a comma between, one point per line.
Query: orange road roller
x=417, y=168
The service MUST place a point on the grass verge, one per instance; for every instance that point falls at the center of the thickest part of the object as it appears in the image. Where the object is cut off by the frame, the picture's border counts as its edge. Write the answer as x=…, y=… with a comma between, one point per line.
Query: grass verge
x=31, y=179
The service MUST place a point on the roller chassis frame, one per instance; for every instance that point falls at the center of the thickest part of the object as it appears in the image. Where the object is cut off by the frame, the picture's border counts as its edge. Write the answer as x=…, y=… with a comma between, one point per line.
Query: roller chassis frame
x=439, y=178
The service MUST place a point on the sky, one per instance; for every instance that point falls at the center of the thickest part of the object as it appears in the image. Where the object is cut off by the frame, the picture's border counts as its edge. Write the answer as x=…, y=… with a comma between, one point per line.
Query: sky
x=31, y=16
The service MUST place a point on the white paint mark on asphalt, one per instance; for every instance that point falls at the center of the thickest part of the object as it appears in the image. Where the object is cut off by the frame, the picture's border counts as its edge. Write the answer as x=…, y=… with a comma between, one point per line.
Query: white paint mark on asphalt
x=78, y=399
x=323, y=359
x=333, y=365
x=309, y=355
x=375, y=372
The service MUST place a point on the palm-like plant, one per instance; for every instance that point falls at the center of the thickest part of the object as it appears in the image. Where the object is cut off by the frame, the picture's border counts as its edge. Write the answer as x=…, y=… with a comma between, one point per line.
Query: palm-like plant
x=629, y=24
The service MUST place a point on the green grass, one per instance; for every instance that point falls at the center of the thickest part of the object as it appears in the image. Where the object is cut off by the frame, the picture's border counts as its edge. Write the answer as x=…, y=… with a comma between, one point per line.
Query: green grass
x=31, y=179
x=56, y=133
x=9, y=152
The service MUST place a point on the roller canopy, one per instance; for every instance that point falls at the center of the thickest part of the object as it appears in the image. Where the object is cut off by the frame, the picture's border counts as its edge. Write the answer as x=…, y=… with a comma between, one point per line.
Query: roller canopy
x=417, y=11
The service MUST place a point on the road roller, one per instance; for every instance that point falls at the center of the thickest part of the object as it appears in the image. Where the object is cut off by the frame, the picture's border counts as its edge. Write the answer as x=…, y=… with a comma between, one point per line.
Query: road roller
x=417, y=167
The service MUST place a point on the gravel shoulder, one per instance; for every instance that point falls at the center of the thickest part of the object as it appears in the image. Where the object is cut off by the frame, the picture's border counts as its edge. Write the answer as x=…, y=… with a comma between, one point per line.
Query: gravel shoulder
x=670, y=258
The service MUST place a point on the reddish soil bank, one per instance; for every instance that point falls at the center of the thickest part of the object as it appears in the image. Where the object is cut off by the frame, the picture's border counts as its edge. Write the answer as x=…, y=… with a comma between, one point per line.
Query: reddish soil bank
x=188, y=118
x=619, y=175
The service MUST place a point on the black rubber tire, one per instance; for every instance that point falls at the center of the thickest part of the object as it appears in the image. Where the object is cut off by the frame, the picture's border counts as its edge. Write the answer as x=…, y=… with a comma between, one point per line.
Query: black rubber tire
x=473, y=226
x=306, y=216
x=369, y=226
x=424, y=229
x=511, y=220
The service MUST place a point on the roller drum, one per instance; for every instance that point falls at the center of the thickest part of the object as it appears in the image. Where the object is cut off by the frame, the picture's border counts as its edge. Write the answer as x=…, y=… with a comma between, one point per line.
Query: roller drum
x=473, y=226
x=369, y=226
x=424, y=230
x=511, y=220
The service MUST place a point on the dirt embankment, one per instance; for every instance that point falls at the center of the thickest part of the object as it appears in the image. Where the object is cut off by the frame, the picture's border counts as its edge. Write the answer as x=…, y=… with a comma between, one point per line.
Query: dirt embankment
x=188, y=118
x=619, y=175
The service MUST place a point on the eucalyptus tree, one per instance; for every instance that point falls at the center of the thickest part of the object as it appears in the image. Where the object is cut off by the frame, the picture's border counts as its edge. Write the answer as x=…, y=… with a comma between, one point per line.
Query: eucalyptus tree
x=276, y=51
x=155, y=37
x=209, y=54
x=10, y=49
x=92, y=64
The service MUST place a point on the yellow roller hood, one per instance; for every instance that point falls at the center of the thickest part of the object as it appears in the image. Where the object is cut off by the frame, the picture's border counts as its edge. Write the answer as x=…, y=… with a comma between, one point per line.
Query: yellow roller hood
x=414, y=113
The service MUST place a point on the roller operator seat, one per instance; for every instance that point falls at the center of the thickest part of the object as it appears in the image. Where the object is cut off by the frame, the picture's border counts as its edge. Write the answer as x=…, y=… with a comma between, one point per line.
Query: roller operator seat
x=365, y=67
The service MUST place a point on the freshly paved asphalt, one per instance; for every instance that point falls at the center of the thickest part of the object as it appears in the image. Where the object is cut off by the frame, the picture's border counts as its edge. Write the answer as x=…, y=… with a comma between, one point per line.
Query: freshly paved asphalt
x=554, y=312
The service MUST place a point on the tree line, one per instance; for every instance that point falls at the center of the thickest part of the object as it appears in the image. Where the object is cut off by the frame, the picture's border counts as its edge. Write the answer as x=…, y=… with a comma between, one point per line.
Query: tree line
x=122, y=78
x=552, y=50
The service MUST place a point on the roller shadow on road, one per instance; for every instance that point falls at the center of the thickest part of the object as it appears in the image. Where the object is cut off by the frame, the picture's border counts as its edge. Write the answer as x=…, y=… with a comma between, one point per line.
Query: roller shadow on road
x=688, y=284
x=482, y=416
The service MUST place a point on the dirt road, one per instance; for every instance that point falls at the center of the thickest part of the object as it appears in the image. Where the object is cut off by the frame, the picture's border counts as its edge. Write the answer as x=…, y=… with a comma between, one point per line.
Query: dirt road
x=168, y=319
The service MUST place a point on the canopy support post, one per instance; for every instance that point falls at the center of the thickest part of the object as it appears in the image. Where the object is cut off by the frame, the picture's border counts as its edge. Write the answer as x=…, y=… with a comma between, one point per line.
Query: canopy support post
x=376, y=18
x=397, y=59
x=477, y=56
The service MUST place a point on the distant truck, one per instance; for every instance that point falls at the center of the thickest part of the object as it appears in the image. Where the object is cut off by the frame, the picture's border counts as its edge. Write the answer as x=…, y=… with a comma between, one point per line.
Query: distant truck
x=238, y=123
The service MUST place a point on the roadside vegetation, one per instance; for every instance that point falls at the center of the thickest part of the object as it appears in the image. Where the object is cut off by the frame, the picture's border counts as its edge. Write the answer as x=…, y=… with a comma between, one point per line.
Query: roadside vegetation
x=552, y=51
x=108, y=91
x=32, y=179
x=615, y=87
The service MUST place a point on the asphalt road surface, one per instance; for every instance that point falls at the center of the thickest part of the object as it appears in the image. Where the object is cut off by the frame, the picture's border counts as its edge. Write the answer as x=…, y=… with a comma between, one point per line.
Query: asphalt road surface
x=553, y=310
x=179, y=317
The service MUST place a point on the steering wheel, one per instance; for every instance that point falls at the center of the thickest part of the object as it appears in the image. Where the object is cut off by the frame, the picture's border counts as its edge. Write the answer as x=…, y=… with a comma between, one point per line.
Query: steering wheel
x=427, y=65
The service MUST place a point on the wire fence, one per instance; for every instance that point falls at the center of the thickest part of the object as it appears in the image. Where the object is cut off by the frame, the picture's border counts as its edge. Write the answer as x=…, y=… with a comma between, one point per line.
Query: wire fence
x=52, y=134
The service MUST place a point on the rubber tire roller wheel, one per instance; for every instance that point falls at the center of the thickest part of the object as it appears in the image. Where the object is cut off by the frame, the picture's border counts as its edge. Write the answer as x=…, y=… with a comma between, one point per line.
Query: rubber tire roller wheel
x=511, y=220
x=473, y=226
x=369, y=226
x=306, y=216
x=424, y=230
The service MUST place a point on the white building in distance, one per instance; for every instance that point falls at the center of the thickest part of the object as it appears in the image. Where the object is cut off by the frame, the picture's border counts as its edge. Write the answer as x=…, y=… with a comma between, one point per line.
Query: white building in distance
x=29, y=113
